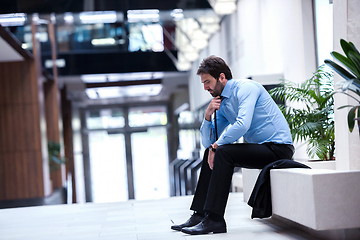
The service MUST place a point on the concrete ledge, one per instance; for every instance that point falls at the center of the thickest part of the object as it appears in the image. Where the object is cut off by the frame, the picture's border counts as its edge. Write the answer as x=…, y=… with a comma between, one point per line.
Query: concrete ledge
x=317, y=198
x=237, y=182
x=249, y=177
x=320, y=199
x=322, y=164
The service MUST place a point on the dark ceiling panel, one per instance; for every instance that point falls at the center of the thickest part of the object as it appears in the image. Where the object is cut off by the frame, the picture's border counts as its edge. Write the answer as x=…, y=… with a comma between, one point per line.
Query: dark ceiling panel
x=102, y=5
x=122, y=83
x=121, y=62
x=61, y=6
x=43, y=6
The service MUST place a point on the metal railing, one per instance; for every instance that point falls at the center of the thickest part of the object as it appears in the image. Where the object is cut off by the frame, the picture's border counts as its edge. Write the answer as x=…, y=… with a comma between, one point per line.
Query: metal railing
x=184, y=175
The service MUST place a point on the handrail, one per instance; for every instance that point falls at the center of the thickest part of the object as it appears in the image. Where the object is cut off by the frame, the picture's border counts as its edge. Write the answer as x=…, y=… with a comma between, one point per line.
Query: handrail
x=14, y=43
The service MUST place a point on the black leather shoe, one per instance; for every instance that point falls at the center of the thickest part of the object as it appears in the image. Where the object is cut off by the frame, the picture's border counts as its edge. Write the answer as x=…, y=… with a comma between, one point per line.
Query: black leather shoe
x=192, y=221
x=206, y=226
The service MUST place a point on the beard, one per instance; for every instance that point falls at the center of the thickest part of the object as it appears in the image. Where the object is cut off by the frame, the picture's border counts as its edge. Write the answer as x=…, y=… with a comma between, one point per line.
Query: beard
x=217, y=89
x=214, y=94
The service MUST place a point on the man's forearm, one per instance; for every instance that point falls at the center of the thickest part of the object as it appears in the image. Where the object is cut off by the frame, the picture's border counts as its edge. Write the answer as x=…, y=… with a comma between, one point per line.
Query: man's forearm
x=207, y=133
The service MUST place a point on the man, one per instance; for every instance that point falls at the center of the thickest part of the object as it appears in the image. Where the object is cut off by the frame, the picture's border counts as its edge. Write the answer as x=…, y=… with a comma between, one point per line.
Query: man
x=247, y=107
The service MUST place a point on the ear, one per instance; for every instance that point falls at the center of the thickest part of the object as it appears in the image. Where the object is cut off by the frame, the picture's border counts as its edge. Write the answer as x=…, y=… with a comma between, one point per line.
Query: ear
x=222, y=78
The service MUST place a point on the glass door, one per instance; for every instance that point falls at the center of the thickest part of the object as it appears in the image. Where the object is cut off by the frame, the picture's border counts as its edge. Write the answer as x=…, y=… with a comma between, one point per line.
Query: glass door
x=149, y=152
x=128, y=154
x=108, y=167
x=150, y=164
x=107, y=155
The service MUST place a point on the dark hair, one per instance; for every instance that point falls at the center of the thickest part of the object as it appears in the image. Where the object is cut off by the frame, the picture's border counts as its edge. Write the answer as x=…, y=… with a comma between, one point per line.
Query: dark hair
x=214, y=66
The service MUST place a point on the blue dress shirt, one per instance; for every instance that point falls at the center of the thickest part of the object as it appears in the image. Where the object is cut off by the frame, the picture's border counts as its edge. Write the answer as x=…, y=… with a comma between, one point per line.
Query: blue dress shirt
x=251, y=113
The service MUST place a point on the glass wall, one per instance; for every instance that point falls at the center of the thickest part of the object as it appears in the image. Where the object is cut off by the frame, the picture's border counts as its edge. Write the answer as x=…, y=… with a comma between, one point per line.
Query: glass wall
x=128, y=153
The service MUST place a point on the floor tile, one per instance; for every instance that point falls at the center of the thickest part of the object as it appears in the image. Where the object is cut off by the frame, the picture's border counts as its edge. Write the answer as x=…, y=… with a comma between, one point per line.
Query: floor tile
x=132, y=220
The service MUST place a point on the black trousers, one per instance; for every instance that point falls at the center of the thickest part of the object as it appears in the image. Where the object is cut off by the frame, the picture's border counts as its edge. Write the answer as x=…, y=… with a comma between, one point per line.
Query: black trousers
x=212, y=190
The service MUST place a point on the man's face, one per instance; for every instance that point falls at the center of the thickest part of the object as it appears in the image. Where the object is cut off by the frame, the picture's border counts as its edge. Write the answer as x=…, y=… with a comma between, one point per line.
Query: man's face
x=212, y=85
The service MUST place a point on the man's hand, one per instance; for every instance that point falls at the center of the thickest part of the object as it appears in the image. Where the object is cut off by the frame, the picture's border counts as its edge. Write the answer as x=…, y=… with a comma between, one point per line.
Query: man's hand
x=213, y=105
x=211, y=157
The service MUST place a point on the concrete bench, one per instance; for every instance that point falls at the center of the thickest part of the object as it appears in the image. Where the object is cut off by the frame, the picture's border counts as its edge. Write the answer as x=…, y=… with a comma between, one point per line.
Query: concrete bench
x=237, y=182
x=316, y=198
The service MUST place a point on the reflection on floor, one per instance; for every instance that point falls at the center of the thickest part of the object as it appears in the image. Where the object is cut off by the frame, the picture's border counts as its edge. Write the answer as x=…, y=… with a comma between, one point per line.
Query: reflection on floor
x=132, y=220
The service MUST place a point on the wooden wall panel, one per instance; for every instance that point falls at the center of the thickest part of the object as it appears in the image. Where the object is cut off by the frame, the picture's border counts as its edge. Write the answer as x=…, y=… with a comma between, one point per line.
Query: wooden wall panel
x=52, y=110
x=21, y=175
x=66, y=110
x=21, y=158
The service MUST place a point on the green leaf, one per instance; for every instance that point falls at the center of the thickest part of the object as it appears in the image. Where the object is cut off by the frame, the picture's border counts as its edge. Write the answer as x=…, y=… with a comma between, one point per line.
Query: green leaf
x=327, y=99
x=340, y=70
x=355, y=58
x=312, y=119
x=347, y=61
x=351, y=118
x=347, y=46
x=345, y=106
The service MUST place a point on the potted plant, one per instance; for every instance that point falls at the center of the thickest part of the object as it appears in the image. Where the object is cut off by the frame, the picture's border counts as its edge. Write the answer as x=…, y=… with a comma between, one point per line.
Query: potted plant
x=351, y=75
x=313, y=120
x=55, y=159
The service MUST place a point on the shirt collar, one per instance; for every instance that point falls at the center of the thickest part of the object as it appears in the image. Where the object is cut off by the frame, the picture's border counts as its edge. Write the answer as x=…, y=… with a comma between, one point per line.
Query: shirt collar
x=227, y=89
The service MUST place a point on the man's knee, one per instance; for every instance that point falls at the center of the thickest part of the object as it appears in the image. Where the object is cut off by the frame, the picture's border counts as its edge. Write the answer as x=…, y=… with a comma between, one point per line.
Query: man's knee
x=223, y=155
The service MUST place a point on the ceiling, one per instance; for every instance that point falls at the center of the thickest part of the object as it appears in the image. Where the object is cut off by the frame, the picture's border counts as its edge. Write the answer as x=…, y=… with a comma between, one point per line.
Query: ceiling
x=61, y=6
x=173, y=81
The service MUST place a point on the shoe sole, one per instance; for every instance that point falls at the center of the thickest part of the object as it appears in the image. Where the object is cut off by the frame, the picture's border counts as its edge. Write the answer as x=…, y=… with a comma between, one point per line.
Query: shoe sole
x=200, y=233
x=221, y=231
x=176, y=229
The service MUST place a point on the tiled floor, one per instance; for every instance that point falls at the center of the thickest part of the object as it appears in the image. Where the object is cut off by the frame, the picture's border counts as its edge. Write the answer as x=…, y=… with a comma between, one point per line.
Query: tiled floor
x=132, y=220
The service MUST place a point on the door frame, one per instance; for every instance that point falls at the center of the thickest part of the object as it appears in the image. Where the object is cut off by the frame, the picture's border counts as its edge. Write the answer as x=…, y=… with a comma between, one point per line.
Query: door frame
x=127, y=131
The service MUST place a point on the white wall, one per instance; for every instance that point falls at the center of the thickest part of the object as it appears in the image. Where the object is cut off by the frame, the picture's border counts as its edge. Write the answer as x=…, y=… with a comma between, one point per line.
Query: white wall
x=263, y=37
x=346, y=26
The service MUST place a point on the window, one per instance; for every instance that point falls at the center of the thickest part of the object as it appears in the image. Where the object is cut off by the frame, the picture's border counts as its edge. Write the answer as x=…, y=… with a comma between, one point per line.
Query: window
x=105, y=118
x=147, y=116
x=324, y=29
